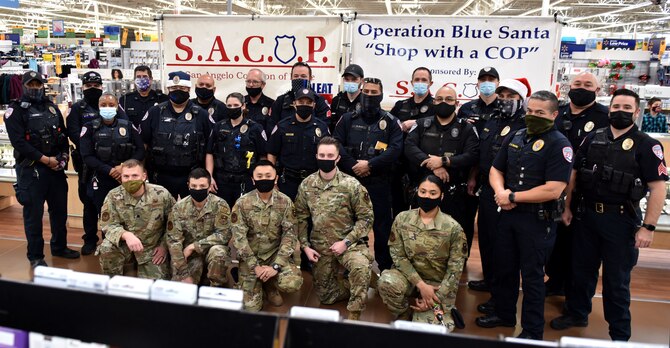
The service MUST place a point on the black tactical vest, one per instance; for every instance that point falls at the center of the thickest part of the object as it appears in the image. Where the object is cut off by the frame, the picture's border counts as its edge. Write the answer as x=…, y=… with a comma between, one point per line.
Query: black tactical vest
x=113, y=143
x=178, y=142
x=366, y=141
x=232, y=146
x=43, y=130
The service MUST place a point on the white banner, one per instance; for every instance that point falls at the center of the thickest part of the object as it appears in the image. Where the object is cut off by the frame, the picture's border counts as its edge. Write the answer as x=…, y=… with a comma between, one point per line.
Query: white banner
x=454, y=49
x=226, y=47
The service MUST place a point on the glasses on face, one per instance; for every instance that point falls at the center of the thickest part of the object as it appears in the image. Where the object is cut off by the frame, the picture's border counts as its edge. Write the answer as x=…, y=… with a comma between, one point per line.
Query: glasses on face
x=449, y=100
x=253, y=83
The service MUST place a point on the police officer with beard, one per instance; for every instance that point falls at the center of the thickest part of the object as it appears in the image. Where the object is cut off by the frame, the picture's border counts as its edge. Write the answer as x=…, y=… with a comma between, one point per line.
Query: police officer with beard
x=372, y=141
x=448, y=148
x=136, y=104
x=258, y=104
x=480, y=110
x=175, y=134
x=204, y=90
x=37, y=132
x=348, y=99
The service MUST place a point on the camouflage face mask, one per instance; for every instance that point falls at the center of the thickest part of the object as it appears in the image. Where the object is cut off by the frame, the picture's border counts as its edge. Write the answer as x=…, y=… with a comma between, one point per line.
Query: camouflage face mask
x=132, y=186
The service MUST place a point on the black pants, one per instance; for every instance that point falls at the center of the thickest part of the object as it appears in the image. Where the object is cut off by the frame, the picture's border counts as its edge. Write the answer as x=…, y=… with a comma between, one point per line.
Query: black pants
x=98, y=192
x=35, y=185
x=523, y=243
x=559, y=267
x=89, y=213
x=288, y=185
x=380, y=195
x=176, y=184
x=607, y=239
x=232, y=190
x=461, y=207
x=487, y=226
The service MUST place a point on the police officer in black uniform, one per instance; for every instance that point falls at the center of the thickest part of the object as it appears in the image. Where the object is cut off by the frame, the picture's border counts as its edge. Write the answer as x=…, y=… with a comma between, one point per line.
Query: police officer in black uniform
x=105, y=143
x=347, y=100
x=235, y=145
x=372, y=141
x=293, y=143
x=575, y=120
x=284, y=106
x=508, y=119
x=82, y=112
x=205, y=88
x=37, y=132
x=614, y=168
x=528, y=177
x=136, y=104
x=447, y=147
x=175, y=134
x=407, y=111
x=480, y=110
x=258, y=104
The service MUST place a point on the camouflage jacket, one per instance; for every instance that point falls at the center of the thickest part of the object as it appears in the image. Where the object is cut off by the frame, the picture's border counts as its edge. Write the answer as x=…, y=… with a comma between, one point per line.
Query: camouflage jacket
x=339, y=209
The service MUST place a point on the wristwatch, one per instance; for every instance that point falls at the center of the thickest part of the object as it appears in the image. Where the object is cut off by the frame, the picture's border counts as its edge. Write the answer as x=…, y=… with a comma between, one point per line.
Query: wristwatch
x=276, y=267
x=347, y=242
x=511, y=197
x=445, y=161
x=649, y=227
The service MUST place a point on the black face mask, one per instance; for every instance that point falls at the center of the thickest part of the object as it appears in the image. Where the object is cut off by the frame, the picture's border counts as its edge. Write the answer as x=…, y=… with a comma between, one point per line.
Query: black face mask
x=234, y=113
x=370, y=104
x=444, y=110
x=509, y=107
x=304, y=111
x=198, y=195
x=204, y=93
x=178, y=96
x=264, y=186
x=427, y=204
x=254, y=91
x=92, y=96
x=34, y=94
x=621, y=119
x=581, y=97
x=325, y=165
x=299, y=84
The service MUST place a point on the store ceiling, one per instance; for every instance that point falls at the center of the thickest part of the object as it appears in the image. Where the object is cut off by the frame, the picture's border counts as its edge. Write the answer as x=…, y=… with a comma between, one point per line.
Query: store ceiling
x=600, y=16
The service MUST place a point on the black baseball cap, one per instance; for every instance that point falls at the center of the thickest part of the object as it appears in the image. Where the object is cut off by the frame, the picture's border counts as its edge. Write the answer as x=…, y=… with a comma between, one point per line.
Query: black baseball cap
x=305, y=93
x=488, y=71
x=91, y=77
x=32, y=75
x=354, y=70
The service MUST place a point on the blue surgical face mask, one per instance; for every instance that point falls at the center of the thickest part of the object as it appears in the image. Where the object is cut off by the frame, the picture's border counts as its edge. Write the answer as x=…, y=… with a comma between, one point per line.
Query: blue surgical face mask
x=487, y=88
x=420, y=88
x=351, y=87
x=107, y=113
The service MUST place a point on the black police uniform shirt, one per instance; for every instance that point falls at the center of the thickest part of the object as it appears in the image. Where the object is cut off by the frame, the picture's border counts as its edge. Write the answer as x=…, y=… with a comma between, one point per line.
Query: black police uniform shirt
x=341, y=105
x=528, y=162
x=378, y=140
x=577, y=127
x=28, y=123
x=478, y=111
x=216, y=109
x=259, y=112
x=294, y=143
x=81, y=113
x=103, y=146
x=457, y=140
x=633, y=146
x=491, y=138
x=236, y=149
x=136, y=106
x=408, y=109
x=283, y=108
x=149, y=132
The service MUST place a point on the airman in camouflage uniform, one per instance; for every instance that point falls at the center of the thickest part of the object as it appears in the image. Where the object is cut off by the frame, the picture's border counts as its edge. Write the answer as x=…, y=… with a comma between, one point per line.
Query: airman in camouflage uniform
x=434, y=253
x=341, y=211
x=145, y=218
x=264, y=234
x=208, y=229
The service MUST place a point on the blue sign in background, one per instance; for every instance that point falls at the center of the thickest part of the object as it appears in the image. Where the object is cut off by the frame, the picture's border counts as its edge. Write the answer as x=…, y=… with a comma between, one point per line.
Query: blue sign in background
x=567, y=48
x=9, y=3
x=619, y=44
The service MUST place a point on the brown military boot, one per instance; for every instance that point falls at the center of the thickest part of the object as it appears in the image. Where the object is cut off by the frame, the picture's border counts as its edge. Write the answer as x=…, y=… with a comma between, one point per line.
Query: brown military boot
x=374, y=278
x=273, y=295
x=354, y=315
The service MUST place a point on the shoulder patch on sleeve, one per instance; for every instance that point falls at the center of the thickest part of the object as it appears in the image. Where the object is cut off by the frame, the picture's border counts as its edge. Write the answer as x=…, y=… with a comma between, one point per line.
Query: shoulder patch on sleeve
x=233, y=217
x=211, y=119
x=9, y=112
x=146, y=115
x=274, y=130
x=83, y=131
x=465, y=248
x=567, y=154
x=265, y=137
x=662, y=169
x=170, y=225
x=658, y=151
x=105, y=216
x=413, y=127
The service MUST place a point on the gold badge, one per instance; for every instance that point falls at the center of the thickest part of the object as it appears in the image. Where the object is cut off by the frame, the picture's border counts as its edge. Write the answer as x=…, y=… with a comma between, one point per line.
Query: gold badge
x=122, y=131
x=244, y=128
x=382, y=124
x=505, y=131
x=188, y=116
x=318, y=132
x=265, y=110
x=211, y=111
x=538, y=145
x=52, y=110
x=589, y=126
x=627, y=144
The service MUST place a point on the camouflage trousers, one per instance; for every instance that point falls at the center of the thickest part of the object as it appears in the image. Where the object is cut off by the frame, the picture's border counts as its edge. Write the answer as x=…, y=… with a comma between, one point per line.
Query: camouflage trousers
x=113, y=258
x=288, y=280
x=396, y=290
x=216, y=266
x=357, y=260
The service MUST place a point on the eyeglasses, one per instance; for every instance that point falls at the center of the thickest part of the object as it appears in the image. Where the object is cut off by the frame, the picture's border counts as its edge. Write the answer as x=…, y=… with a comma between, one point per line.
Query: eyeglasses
x=439, y=100
x=253, y=82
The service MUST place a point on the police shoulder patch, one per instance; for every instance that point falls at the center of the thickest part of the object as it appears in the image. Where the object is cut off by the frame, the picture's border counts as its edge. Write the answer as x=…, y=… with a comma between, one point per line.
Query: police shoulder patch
x=658, y=151
x=274, y=130
x=567, y=154
x=8, y=112
x=211, y=119
x=146, y=115
x=265, y=137
x=105, y=216
x=83, y=132
x=233, y=217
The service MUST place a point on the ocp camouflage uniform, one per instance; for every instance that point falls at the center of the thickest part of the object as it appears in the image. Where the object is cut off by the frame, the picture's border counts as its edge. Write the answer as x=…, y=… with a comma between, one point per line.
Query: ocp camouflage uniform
x=264, y=234
x=145, y=217
x=339, y=209
x=209, y=231
x=434, y=253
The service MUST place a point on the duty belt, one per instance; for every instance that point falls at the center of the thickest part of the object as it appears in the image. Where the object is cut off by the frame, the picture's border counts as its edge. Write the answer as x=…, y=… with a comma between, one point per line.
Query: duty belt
x=233, y=178
x=297, y=174
x=602, y=208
